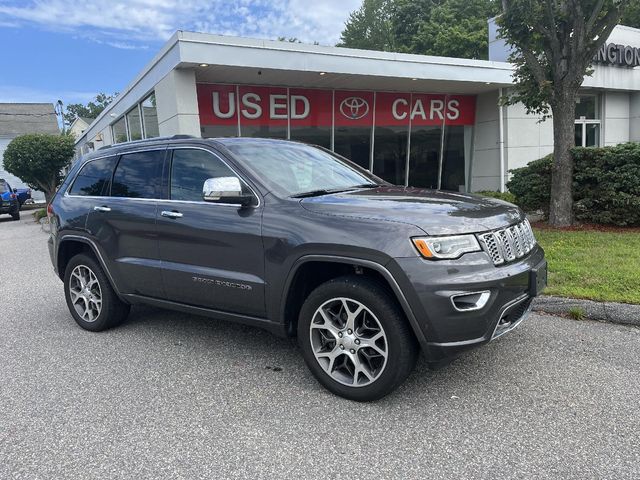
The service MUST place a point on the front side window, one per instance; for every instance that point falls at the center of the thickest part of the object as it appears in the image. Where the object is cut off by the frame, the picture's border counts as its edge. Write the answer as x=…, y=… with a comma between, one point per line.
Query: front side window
x=94, y=178
x=189, y=170
x=294, y=169
x=139, y=175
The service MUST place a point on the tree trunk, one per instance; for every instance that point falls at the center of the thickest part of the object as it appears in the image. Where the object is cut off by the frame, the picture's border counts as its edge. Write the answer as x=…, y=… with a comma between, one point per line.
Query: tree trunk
x=561, y=208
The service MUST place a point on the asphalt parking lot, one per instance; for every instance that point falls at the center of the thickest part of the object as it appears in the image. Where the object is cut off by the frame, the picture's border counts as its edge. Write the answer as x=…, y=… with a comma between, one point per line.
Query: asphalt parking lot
x=169, y=395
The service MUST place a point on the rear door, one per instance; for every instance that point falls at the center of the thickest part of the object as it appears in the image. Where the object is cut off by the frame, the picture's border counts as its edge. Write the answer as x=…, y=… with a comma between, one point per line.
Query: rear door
x=124, y=222
x=211, y=253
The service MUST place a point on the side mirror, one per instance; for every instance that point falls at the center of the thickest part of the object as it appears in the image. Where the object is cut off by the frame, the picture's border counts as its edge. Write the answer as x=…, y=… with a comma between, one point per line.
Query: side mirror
x=15, y=190
x=225, y=190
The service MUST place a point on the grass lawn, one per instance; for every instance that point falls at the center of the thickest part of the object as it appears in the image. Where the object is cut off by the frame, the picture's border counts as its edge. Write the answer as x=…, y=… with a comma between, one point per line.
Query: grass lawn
x=598, y=265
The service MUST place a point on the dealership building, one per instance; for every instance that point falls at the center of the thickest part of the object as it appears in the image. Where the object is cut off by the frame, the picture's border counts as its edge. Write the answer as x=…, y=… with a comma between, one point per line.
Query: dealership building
x=422, y=121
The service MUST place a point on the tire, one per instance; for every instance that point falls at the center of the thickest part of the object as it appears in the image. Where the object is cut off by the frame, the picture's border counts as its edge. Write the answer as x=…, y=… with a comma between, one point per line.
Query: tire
x=16, y=215
x=359, y=371
x=84, y=305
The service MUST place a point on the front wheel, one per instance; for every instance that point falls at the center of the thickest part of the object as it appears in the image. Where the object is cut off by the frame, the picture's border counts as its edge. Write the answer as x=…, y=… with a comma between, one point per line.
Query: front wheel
x=355, y=338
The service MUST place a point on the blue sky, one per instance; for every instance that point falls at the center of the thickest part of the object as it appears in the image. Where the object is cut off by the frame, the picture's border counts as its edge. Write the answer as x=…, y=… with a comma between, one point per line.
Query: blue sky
x=73, y=49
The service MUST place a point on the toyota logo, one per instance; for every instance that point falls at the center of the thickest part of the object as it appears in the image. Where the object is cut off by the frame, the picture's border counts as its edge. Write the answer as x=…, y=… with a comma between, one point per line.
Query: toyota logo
x=354, y=107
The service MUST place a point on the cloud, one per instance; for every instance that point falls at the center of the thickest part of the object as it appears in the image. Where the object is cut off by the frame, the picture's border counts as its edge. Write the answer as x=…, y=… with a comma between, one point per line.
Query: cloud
x=137, y=23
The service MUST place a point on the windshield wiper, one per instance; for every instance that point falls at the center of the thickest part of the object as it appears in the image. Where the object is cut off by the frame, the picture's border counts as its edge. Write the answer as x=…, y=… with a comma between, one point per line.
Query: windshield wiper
x=316, y=193
x=327, y=191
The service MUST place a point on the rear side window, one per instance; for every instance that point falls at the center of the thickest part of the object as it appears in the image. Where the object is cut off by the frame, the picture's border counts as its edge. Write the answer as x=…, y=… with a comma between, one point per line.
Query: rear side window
x=139, y=175
x=190, y=169
x=94, y=178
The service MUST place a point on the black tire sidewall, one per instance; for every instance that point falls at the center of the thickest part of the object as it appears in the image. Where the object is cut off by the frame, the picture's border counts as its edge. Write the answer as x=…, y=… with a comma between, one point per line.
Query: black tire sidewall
x=112, y=307
x=402, y=347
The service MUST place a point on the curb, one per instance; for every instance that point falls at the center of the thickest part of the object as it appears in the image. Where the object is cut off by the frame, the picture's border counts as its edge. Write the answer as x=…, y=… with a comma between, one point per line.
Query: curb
x=623, y=313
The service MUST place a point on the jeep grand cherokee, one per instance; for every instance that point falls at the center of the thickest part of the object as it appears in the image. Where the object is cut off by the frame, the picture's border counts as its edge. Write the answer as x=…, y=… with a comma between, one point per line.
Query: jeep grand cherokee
x=299, y=241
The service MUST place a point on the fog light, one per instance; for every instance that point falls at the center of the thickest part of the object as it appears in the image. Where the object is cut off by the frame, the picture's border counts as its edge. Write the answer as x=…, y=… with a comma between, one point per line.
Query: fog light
x=468, y=302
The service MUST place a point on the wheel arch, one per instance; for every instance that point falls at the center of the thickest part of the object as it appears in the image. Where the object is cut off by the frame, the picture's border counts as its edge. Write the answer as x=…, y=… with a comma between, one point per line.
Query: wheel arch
x=72, y=245
x=296, y=289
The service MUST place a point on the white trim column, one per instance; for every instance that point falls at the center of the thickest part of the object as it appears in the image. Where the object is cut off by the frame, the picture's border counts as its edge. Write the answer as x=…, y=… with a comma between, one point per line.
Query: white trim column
x=177, y=104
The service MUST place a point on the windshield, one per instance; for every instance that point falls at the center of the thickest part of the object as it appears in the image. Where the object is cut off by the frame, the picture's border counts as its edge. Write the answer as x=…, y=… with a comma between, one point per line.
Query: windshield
x=4, y=187
x=293, y=169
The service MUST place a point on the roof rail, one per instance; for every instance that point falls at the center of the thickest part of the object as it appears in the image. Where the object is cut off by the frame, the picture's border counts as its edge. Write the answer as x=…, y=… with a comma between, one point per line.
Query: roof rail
x=135, y=142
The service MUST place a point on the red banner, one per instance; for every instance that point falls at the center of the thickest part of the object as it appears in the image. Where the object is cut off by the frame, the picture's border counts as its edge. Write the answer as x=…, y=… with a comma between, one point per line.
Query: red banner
x=277, y=106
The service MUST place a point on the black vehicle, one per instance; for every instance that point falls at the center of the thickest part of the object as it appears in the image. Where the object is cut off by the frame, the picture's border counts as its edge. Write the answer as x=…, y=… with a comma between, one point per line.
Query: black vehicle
x=9, y=202
x=299, y=241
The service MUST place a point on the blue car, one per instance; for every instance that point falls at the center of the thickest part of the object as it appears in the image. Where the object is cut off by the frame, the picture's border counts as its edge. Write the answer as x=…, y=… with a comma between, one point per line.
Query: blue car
x=23, y=194
x=9, y=202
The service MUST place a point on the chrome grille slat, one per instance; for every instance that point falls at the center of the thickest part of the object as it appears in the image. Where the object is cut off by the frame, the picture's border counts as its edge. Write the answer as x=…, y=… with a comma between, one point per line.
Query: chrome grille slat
x=508, y=244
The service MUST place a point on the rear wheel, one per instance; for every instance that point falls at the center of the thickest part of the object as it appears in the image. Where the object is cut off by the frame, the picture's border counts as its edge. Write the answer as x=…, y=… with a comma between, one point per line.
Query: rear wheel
x=92, y=301
x=16, y=214
x=355, y=339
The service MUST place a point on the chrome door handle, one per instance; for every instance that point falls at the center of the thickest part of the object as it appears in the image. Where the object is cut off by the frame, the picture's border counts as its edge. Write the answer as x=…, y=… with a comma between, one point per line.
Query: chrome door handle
x=102, y=208
x=170, y=214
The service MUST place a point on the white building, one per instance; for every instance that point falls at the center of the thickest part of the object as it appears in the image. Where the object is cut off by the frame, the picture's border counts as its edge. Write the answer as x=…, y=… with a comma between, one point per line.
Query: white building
x=418, y=120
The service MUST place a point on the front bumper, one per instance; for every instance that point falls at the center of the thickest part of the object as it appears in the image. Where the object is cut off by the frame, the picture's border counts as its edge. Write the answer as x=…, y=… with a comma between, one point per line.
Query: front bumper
x=429, y=287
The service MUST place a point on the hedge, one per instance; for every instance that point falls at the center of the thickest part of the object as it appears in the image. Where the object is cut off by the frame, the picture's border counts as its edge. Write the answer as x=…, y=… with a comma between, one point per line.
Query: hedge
x=606, y=186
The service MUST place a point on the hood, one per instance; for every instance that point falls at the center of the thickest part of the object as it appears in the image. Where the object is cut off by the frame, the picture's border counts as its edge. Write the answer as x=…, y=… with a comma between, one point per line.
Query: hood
x=435, y=212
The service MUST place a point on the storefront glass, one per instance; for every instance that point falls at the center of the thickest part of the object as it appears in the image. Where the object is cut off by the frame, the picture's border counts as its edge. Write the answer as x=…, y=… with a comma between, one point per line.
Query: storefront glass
x=135, y=126
x=311, y=116
x=418, y=140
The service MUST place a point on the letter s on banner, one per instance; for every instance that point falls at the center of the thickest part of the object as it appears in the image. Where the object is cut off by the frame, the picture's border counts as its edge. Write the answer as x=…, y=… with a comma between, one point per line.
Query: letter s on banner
x=452, y=109
x=254, y=105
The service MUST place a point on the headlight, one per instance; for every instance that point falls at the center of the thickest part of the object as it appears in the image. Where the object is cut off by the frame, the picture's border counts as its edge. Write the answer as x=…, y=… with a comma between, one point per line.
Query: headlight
x=446, y=247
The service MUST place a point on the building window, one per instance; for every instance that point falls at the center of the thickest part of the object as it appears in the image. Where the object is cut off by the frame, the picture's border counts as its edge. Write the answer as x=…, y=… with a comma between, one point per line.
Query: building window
x=421, y=140
x=134, y=124
x=353, y=119
x=150, y=116
x=587, y=128
x=119, y=130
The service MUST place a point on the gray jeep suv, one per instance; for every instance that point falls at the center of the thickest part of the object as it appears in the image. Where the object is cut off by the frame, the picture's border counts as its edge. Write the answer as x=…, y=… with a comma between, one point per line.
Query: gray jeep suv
x=296, y=240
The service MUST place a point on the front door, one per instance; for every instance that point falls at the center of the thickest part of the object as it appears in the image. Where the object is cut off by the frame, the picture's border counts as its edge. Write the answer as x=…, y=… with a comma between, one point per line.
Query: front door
x=211, y=253
x=124, y=222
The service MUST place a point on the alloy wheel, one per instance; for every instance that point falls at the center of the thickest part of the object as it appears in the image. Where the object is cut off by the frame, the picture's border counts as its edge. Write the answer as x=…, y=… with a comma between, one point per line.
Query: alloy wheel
x=86, y=295
x=348, y=342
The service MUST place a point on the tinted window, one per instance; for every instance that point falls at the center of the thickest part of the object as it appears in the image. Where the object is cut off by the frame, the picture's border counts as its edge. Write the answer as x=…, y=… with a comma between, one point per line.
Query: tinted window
x=94, y=178
x=139, y=175
x=189, y=170
x=4, y=187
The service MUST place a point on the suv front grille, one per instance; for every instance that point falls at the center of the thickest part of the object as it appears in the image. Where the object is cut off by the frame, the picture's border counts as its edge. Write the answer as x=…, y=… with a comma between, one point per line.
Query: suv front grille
x=509, y=243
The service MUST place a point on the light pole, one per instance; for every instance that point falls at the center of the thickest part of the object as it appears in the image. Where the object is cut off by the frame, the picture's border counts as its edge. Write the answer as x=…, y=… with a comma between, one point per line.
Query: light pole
x=59, y=109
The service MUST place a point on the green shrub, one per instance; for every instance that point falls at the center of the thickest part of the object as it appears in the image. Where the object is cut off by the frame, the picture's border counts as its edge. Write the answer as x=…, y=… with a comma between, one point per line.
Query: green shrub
x=39, y=214
x=506, y=196
x=531, y=185
x=606, y=186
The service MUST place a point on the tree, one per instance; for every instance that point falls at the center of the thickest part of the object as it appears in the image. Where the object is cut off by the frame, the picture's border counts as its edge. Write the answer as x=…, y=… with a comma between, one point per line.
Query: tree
x=455, y=28
x=38, y=159
x=554, y=42
x=631, y=15
x=90, y=110
x=369, y=27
